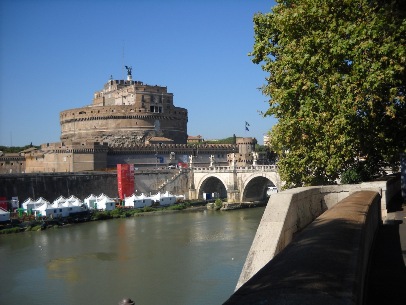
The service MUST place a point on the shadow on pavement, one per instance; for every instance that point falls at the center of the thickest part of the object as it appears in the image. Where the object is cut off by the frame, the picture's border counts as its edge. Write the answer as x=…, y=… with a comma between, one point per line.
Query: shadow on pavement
x=386, y=282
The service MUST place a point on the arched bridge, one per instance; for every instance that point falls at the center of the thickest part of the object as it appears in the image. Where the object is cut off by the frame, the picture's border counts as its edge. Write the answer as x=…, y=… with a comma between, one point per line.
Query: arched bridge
x=237, y=184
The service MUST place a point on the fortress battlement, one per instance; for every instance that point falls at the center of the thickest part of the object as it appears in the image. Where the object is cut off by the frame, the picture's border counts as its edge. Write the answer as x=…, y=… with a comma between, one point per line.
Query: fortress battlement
x=117, y=112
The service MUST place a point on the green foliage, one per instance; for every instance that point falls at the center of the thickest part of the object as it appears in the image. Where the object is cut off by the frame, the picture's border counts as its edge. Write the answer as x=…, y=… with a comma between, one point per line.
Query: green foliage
x=177, y=207
x=218, y=203
x=121, y=213
x=36, y=228
x=33, y=228
x=101, y=215
x=15, y=149
x=336, y=85
x=148, y=209
x=230, y=140
x=10, y=230
x=351, y=176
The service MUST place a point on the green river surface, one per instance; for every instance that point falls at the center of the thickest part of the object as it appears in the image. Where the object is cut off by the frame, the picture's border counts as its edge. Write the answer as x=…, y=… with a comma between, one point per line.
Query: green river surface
x=182, y=258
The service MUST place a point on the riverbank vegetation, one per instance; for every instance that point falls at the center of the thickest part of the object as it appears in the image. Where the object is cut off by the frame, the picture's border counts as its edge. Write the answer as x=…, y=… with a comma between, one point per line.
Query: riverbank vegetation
x=18, y=225
x=122, y=212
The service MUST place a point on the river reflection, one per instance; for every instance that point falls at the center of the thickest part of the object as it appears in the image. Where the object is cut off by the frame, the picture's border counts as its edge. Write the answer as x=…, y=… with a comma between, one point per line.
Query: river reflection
x=180, y=258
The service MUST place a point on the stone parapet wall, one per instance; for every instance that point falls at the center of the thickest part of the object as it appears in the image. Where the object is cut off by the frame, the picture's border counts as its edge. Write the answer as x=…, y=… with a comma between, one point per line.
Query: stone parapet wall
x=52, y=185
x=116, y=111
x=326, y=263
x=290, y=211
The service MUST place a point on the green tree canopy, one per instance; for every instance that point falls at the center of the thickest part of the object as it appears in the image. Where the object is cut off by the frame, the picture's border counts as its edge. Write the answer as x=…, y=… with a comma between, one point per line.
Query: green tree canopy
x=336, y=85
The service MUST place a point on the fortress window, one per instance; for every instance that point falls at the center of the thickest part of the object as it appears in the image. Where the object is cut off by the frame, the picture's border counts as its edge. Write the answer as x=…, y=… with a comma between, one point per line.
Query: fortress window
x=156, y=109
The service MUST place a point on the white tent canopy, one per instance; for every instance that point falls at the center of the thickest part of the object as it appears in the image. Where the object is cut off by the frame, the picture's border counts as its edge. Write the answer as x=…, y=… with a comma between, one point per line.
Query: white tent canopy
x=90, y=201
x=135, y=201
x=104, y=202
x=28, y=204
x=73, y=201
x=164, y=199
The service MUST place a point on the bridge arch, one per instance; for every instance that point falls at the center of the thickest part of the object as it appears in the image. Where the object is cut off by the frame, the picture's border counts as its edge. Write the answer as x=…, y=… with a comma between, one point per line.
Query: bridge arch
x=211, y=184
x=237, y=184
x=255, y=186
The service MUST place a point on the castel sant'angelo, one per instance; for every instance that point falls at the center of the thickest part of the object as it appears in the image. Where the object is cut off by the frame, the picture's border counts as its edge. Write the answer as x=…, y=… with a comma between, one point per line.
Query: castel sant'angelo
x=127, y=112
x=127, y=122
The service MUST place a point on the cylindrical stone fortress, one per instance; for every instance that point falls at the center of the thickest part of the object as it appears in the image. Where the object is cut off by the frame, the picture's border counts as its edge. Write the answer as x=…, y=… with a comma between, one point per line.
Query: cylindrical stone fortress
x=124, y=113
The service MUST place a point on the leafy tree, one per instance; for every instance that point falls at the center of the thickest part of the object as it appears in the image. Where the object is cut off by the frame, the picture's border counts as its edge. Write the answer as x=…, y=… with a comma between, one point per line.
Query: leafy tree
x=336, y=85
x=16, y=149
x=229, y=140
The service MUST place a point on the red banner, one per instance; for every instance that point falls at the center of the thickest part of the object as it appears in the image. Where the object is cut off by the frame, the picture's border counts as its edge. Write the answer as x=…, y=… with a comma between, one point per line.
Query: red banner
x=125, y=180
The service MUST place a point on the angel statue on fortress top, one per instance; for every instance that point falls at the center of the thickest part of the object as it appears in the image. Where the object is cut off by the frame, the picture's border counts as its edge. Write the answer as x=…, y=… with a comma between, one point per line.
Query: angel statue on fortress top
x=129, y=69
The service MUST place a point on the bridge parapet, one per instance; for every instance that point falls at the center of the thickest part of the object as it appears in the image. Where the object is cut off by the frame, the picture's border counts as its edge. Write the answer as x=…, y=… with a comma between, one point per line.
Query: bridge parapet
x=237, y=169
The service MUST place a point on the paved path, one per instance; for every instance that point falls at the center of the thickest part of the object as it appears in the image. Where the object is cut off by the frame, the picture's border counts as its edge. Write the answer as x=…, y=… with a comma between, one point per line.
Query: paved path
x=387, y=278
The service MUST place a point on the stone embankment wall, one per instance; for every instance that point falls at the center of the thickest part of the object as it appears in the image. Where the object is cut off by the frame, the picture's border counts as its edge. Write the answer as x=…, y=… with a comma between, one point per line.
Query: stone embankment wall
x=51, y=186
x=290, y=211
x=326, y=263
x=153, y=181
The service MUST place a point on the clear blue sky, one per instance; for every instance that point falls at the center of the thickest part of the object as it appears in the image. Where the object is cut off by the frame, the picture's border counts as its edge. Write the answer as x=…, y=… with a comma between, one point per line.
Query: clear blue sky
x=54, y=54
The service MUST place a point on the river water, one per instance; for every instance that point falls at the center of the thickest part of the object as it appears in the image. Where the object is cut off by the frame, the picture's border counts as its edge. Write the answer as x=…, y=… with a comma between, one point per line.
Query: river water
x=190, y=258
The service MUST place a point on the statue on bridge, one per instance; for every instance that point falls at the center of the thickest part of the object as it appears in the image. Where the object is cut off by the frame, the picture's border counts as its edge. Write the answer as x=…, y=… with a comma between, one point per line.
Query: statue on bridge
x=191, y=161
x=233, y=160
x=212, y=161
x=255, y=158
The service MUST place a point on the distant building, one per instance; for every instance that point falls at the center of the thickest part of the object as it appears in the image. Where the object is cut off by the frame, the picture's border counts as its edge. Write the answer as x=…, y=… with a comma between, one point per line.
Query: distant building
x=195, y=139
x=245, y=154
x=67, y=157
x=12, y=163
x=266, y=139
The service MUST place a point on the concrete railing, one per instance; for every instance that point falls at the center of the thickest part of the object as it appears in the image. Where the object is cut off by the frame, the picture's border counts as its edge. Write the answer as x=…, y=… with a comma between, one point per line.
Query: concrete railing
x=326, y=263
